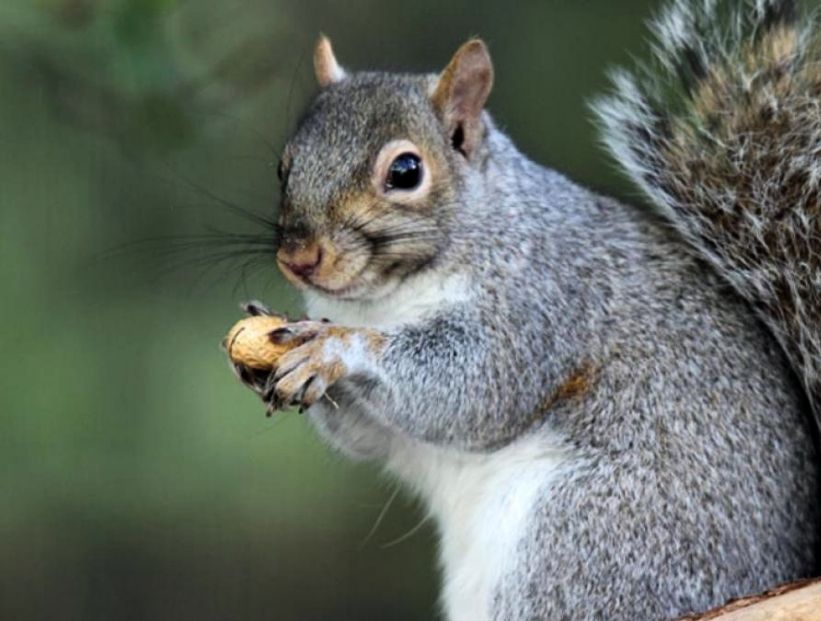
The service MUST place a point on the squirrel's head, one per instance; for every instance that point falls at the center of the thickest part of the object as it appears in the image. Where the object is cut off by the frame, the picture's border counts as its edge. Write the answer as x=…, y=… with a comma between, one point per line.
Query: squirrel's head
x=373, y=173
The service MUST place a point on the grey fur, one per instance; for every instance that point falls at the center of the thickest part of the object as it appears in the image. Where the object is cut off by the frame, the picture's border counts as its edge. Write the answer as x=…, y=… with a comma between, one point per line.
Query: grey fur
x=697, y=471
x=724, y=135
x=692, y=470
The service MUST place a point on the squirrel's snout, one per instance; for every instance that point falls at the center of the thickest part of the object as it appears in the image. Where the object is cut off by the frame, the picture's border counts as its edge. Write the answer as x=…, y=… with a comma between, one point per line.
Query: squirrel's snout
x=301, y=260
x=317, y=262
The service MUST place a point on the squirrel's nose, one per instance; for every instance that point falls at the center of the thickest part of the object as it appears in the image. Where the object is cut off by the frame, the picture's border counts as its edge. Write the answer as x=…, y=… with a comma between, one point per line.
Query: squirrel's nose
x=302, y=260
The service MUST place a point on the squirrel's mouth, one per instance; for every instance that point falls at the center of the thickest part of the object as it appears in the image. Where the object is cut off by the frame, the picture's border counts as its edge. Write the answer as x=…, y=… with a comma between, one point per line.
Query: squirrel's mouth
x=339, y=292
x=326, y=280
x=317, y=262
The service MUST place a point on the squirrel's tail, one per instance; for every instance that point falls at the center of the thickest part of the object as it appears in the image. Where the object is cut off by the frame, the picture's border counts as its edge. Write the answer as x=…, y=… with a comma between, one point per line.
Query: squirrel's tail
x=723, y=133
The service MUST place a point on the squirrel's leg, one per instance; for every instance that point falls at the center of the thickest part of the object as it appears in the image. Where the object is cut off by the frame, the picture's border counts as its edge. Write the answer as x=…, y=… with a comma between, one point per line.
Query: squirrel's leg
x=342, y=419
x=339, y=415
x=455, y=379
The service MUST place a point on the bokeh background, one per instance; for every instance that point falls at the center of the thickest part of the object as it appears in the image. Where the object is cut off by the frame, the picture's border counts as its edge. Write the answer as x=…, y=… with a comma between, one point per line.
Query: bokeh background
x=138, y=479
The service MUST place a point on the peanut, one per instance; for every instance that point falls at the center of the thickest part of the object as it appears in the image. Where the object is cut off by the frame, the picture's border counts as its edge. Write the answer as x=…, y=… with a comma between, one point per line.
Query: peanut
x=249, y=342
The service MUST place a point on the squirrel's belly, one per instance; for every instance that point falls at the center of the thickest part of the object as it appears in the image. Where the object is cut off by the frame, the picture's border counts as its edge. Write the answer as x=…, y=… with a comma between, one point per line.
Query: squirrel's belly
x=482, y=503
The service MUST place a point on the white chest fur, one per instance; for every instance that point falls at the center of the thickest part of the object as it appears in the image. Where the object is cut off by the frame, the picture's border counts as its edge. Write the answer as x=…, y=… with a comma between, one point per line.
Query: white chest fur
x=482, y=504
x=414, y=299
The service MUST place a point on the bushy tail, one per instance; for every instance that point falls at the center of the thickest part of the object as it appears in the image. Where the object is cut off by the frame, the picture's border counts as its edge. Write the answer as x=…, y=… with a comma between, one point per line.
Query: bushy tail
x=723, y=132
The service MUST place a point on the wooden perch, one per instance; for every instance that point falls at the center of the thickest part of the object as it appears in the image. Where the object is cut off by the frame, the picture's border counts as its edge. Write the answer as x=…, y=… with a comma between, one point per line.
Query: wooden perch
x=795, y=601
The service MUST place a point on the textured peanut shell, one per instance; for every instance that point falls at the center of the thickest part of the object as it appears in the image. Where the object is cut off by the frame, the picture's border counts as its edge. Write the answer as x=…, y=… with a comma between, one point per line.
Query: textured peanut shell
x=249, y=342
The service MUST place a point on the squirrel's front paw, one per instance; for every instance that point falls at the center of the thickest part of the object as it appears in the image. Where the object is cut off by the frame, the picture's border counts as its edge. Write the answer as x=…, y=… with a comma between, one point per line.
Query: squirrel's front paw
x=327, y=353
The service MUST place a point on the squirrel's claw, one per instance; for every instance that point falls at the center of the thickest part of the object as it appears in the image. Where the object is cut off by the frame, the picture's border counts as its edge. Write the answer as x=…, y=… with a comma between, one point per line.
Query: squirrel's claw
x=253, y=379
x=291, y=385
x=313, y=392
x=256, y=308
x=326, y=354
x=302, y=331
x=262, y=383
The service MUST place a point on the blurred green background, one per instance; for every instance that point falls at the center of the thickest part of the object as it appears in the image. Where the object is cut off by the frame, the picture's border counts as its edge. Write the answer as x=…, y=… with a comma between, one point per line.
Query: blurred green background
x=138, y=479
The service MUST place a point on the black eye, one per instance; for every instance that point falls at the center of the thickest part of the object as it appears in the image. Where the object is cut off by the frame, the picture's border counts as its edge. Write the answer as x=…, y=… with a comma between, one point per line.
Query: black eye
x=405, y=172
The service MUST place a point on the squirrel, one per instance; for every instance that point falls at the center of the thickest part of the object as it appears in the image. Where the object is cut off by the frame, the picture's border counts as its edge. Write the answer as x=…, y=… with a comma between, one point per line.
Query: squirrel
x=606, y=409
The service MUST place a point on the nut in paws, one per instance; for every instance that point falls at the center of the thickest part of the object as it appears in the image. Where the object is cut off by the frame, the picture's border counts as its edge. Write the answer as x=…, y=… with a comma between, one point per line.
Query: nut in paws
x=326, y=354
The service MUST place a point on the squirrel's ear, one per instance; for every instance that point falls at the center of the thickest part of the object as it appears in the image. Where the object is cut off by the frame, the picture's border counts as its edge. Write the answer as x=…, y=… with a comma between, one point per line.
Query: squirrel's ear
x=326, y=68
x=461, y=92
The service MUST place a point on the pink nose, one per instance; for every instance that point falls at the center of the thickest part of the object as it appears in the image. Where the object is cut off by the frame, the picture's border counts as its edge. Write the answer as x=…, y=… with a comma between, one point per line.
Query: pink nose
x=302, y=261
x=302, y=269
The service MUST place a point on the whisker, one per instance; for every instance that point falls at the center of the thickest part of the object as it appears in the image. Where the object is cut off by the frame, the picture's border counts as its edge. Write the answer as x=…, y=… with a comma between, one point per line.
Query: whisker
x=202, y=254
x=380, y=518
x=407, y=535
x=234, y=208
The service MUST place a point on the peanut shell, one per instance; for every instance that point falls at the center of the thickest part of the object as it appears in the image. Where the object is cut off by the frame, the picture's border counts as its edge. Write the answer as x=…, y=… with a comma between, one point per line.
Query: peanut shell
x=249, y=342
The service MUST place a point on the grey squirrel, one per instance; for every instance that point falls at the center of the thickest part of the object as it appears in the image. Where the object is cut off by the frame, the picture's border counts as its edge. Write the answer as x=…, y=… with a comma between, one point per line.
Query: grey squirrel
x=585, y=396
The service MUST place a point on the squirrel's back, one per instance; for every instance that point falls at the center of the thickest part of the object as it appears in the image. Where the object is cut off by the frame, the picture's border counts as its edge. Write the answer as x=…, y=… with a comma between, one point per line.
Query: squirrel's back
x=696, y=470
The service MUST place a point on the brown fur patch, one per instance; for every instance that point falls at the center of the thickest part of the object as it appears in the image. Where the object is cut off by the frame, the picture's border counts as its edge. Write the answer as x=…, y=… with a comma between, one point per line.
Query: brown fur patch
x=374, y=340
x=575, y=386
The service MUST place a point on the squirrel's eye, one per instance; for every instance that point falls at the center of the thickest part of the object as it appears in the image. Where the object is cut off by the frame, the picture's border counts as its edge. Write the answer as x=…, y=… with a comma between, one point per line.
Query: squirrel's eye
x=405, y=172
